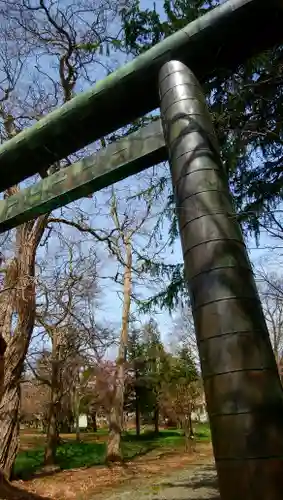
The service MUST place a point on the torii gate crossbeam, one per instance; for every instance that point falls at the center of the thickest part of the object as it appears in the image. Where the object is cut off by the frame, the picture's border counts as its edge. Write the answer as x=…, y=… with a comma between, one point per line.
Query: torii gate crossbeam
x=222, y=38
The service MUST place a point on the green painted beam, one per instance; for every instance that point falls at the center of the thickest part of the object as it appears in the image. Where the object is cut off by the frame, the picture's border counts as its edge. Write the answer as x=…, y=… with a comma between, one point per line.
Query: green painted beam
x=222, y=38
x=117, y=161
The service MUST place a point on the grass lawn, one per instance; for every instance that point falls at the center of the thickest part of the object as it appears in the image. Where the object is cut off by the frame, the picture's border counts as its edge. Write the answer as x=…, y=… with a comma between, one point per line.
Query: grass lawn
x=91, y=451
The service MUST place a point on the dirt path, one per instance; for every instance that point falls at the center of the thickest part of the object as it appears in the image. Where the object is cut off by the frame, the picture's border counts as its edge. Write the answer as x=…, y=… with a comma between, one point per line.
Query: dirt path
x=156, y=476
x=193, y=483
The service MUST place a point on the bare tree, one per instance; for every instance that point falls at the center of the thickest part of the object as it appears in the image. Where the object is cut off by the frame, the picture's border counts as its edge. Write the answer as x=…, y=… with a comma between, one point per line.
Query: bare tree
x=34, y=402
x=128, y=239
x=271, y=294
x=183, y=331
x=179, y=399
x=124, y=254
x=67, y=296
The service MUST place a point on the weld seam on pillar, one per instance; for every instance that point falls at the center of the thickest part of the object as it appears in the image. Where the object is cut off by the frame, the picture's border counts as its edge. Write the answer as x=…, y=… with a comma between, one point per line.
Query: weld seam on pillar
x=243, y=391
x=205, y=215
x=208, y=241
x=235, y=332
x=223, y=299
x=218, y=374
x=204, y=191
x=217, y=268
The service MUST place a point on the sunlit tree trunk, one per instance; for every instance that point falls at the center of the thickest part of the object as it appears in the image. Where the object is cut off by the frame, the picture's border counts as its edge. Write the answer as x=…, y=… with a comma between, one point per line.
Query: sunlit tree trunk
x=77, y=413
x=156, y=419
x=52, y=438
x=137, y=412
x=23, y=297
x=52, y=433
x=3, y=346
x=94, y=422
x=189, y=432
x=114, y=453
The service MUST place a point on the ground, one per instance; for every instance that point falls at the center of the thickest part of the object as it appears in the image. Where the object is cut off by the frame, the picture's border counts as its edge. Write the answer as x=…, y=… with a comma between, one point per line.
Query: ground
x=144, y=473
x=195, y=482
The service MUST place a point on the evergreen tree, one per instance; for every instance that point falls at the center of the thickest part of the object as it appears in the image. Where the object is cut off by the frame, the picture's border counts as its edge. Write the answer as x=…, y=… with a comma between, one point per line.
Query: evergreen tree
x=135, y=396
x=246, y=107
x=147, y=359
x=181, y=392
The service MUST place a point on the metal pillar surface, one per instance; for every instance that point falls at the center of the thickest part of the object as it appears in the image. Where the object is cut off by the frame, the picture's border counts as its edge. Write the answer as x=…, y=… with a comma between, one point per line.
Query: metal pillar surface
x=243, y=391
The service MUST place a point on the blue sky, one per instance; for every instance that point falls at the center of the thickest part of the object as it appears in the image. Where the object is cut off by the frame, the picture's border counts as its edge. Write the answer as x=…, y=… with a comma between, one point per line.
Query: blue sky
x=110, y=309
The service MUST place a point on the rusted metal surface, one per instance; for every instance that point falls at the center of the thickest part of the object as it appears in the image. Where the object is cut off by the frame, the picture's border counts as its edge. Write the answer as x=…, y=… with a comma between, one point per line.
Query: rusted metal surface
x=243, y=390
x=221, y=39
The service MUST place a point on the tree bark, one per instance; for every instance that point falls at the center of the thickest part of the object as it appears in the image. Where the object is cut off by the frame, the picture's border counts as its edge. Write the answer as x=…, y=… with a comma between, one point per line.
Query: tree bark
x=9, y=411
x=189, y=434
x=93, y=421
x=77, y=420
x=3, y=346
x=22, y=296
x=114, y=453
x=156, y=419
x=52, y=434
x=137, y=413
x=53, y=438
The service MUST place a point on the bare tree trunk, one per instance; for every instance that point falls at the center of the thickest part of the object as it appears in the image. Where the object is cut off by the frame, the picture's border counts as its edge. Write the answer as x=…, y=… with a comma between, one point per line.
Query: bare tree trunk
x=137, y=413
x=114, y=453
x=52, y=438
x=52, y=425
x=3, y=347
x=52, y=435
x=27, y=239
x=191, y=429
x=189, y=434
x=77, y=415
x=93, y=422
x=156, y=419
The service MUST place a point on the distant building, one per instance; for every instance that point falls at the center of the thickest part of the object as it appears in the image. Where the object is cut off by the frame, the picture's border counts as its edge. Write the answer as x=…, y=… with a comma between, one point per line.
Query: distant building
x=199, y=414
x=83, y=421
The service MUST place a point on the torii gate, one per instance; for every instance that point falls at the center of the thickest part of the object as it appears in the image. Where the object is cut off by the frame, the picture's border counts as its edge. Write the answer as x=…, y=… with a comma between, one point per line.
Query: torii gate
x=243, y=392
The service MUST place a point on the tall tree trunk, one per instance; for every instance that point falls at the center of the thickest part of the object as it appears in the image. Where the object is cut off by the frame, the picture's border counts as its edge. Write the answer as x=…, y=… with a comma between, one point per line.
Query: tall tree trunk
x=23, y=298
x=137, y=412
x=189, y=433
x=7, y=490
x=3, y=346
x=52, y=438
x=52, y=435
x=156, y=419
x=114, y=453
x=77, y=415
x=76, y=403
x=93, y=421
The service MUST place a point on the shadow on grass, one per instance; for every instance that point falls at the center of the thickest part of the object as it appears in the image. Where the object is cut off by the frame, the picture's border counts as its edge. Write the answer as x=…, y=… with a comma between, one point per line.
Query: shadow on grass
x=202, y=433
x=151, y=436
x=72, y=455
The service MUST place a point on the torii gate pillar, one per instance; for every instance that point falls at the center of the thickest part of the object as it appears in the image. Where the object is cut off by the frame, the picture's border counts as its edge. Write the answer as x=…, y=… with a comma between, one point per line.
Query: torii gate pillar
x=243, y=391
